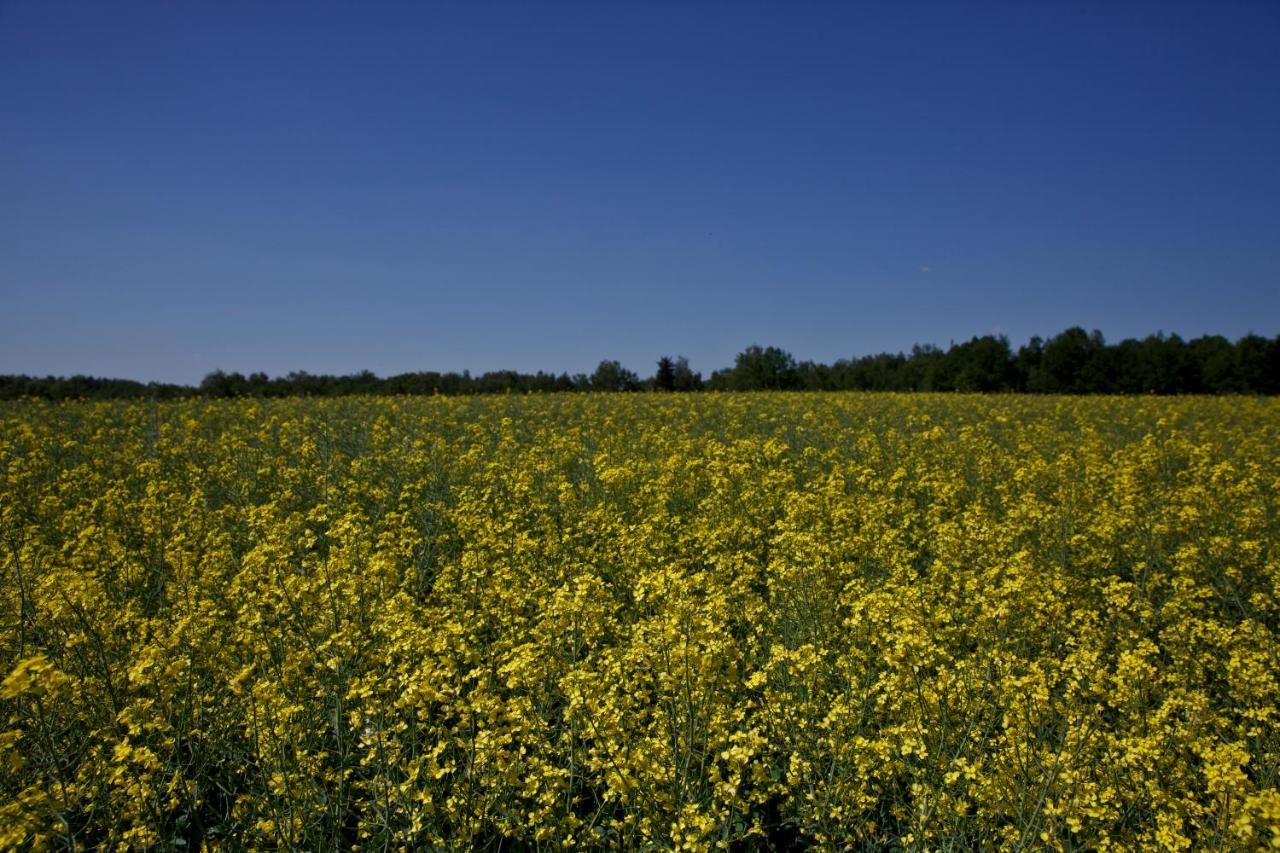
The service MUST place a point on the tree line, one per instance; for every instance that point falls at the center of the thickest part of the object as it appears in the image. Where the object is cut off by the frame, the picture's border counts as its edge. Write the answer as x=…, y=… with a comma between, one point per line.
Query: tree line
x=1073, y=362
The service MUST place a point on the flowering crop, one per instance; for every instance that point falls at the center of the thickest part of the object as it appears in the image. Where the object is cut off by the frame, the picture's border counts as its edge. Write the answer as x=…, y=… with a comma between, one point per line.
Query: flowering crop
x=649, y=621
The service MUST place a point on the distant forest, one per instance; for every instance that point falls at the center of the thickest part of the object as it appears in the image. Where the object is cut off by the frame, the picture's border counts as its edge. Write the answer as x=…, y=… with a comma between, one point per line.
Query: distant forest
x=1073, y=362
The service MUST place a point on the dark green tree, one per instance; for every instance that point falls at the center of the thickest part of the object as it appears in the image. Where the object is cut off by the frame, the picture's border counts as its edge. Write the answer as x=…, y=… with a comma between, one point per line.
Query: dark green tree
x=758, y=368
x=1070, y=364
x=665, y=378
x=982, y=364
x=686, y=379
x=612, y=376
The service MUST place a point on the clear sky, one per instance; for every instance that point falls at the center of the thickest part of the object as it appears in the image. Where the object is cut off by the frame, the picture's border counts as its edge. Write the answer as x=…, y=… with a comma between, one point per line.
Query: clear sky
x=335, y=187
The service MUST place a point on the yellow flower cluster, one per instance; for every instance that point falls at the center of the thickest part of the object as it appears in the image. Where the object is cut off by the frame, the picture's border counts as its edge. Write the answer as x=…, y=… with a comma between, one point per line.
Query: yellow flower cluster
x=649, y=621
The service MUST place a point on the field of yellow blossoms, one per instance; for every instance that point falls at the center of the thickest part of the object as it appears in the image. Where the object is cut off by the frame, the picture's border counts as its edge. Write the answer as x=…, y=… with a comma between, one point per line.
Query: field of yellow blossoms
x=654, y=621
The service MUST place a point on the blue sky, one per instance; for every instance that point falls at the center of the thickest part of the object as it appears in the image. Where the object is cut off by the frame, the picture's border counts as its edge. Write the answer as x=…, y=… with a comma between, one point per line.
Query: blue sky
x=395, y=187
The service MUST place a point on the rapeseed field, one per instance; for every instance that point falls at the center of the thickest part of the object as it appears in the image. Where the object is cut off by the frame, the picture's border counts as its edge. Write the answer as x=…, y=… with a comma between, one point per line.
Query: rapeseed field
x=698, y=622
